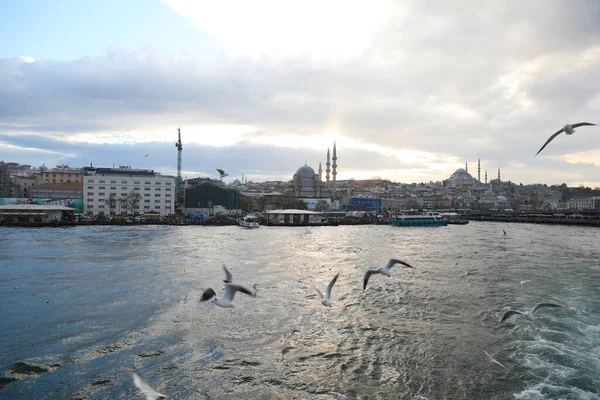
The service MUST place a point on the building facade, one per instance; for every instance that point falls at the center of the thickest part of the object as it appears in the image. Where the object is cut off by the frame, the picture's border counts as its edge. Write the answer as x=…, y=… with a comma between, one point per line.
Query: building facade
x=127, y=191
x=72, y=190
x=4, y=180
x=62, y=174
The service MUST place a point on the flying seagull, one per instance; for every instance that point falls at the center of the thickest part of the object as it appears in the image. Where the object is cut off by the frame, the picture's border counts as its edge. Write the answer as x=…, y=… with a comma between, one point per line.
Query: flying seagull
x=228, y=275
x=326, y=301
x=143, y=386
x=146, y=155
x=227, y=300
x=568, y=129
x=523, y=282
x=222, y=172
x=528, y=314
x=504, y=232
x=383, y=270
x=493, y=360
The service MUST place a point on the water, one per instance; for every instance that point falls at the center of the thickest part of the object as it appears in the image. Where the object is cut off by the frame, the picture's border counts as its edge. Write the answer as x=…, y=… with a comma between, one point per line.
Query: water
x=83, y=307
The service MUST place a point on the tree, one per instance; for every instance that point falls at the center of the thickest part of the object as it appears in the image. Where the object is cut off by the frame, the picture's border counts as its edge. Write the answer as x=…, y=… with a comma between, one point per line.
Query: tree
x=133, y=201
x=322, y=205
x=112, y=203
x=300, y=205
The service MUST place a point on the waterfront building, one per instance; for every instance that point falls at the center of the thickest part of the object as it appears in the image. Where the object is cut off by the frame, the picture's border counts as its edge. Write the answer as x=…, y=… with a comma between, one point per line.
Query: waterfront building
x=62, y=174
x=4, y=180
x=71, y=190
x=209, y=198
x=22, y=185
x=127, y=191
x=34, y=213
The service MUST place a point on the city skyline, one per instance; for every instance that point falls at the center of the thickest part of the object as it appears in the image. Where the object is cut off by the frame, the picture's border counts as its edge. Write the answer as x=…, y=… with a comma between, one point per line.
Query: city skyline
x=410, y=92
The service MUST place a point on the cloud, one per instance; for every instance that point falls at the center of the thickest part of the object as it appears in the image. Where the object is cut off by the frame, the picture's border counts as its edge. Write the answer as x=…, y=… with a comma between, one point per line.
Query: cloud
x=410, y=91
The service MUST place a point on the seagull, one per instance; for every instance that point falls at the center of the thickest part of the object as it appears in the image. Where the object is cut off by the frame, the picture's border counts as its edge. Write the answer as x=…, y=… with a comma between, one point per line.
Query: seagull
x=143, y=386
x=146, y=155
x=504, y=231
x=568, y=129
x=528, y=314
x=383, y=270
x=326, y=301
x=523, y=282
x=493, y=360
x=222, y=172
x=227, y=300
x=228, y=275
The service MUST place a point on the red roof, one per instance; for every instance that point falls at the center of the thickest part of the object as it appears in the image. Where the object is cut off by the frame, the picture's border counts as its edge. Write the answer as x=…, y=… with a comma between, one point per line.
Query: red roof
x=68, y=185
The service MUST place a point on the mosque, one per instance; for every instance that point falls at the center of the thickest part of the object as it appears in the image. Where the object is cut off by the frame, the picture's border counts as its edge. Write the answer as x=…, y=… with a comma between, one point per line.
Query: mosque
x=307, y=183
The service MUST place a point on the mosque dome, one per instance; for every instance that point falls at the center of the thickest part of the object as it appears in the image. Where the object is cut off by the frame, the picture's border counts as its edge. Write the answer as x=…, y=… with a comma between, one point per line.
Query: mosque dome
x=305, y=169
x=460, y=171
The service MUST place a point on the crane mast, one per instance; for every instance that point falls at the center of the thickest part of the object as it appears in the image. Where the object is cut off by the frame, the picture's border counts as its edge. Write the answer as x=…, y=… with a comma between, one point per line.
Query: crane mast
x=178, y=182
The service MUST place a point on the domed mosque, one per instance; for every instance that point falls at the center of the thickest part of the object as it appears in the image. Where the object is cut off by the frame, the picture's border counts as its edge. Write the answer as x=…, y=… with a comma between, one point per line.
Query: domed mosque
x=307, y=183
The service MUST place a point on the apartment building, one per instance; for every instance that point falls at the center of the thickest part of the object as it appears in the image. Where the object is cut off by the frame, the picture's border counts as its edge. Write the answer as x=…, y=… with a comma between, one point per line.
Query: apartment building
x=127, y=191
x=62, y=174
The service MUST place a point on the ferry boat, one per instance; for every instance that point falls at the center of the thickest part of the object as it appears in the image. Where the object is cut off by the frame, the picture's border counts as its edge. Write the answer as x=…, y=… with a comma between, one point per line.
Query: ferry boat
x=250, y=221
x=427, y=219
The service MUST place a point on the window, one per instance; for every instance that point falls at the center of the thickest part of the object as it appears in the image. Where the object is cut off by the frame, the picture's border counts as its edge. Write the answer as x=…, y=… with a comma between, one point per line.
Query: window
x=101, y=181
x=157, y=195
x=89, y=187
x=147, y=183
x=157, y=207
x=157, y=189
x=90, y=206
x=113, y=194
x=146, y=188
x=168, y=183
x=100, y=206
x=90, y=200
x=136, y=188
x=123, y=187
x=123, y=182
x=100, y=187
x=102, y=200
x=146, y=194
x=167, y=195
x=113, y=181
x=147, y=201
x=167, y=189
x=92, y=181
x=146, y=207
x=157, y=201
x=101, y=194
x=136, y=182
x=157, y=183
x=90, y=193
x=113, y=188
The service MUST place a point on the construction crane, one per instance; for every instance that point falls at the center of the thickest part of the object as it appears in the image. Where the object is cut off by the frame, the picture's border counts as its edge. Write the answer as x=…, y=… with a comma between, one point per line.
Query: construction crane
x=178, y=182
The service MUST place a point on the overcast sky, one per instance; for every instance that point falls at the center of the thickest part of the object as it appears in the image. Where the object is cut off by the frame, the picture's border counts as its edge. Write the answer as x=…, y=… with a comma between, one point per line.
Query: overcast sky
x=410, y=90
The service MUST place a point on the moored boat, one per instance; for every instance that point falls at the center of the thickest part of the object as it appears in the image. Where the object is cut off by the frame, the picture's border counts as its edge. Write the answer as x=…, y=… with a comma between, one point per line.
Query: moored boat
x=427, y=219
x=250, y=221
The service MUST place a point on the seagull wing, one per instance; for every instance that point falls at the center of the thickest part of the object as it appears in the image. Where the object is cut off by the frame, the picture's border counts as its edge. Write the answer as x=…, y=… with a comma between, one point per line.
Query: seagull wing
x=330, y=286
x=208, y=294
x=509, y=313
x=319, y=293
x=393, y=262
x=582, y=124
x=143, y=386
x=540, y=305
x=221, y=170
x=549, y=140
x=368, y=275
x=231, y=290
x=228, y=275
x=492, y=359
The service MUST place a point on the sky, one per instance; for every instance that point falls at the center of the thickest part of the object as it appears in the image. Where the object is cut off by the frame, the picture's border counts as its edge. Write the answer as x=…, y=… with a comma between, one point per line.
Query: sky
x=409, y=90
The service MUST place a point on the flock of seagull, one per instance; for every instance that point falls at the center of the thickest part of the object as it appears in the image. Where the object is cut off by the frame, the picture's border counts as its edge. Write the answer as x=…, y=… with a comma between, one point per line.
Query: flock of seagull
x=230, y=289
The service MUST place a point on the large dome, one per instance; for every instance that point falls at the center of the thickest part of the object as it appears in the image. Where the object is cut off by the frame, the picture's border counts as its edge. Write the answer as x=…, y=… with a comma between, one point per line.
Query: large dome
x=305, y=170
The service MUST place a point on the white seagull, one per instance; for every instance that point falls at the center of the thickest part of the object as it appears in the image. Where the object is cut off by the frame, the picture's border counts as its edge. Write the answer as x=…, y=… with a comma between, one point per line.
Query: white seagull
x=227, y=300
x=222, y=172
x=528, y=314
x=326, y=300
x=523, y=282
x=383, y=270
x=493, y=360
x=568, y=129
x=146, y=390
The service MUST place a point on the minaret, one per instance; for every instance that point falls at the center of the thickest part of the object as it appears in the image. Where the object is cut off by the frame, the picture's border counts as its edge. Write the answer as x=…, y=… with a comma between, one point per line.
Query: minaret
x=327, y=164
x=479, y=170
x=498, y=175
x=320, y=173
x=334, y=173
x=486, y=176
x=467, y=166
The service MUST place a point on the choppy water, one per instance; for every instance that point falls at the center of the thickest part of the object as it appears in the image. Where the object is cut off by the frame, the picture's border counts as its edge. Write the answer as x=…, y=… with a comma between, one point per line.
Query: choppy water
x=82, y=307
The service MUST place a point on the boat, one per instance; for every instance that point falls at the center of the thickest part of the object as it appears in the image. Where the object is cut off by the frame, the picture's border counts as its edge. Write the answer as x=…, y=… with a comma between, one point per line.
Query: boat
x=427, y=219
x=250, y=221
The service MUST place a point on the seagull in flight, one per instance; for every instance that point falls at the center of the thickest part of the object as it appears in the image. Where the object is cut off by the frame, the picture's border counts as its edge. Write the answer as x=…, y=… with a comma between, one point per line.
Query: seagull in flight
x=146, y=155
x=326, y=300
x=146, y=390
x=567, y=129
x=523, y=282
x=493, y=360
x=528, y=314
x=227, y=300
x=222, y=172
x=383, y=270
x=504, y=232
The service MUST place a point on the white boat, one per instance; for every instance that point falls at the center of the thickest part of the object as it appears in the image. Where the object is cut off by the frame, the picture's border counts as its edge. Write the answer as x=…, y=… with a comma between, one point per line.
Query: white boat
x=250, y=221
x=428, y=219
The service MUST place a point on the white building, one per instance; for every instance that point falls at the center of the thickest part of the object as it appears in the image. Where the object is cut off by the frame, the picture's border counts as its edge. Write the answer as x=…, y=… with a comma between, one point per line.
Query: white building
x=127, y=191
